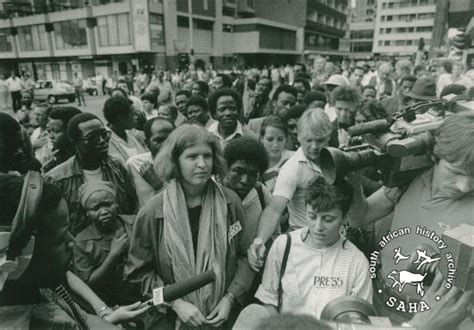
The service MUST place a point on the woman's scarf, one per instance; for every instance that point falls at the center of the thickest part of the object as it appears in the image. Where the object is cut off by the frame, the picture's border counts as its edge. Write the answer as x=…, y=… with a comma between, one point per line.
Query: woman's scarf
x=211, y=243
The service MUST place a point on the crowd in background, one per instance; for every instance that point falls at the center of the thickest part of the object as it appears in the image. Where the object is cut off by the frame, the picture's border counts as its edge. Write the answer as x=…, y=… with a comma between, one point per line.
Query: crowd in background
x=190, y=167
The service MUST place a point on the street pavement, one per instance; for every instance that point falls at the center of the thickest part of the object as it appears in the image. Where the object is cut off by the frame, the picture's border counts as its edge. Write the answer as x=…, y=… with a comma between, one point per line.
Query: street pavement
x=94, y=105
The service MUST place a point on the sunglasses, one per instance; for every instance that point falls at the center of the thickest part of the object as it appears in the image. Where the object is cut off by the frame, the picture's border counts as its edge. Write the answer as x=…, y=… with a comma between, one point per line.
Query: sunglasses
x=95, y=138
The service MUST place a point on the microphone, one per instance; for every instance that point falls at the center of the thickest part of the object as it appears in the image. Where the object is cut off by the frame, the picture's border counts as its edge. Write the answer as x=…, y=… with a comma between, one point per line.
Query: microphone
x=177, y=290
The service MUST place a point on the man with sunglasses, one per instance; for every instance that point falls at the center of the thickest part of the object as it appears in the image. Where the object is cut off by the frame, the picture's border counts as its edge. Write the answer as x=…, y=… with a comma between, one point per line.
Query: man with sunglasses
x=140, y=167
x=91, y=162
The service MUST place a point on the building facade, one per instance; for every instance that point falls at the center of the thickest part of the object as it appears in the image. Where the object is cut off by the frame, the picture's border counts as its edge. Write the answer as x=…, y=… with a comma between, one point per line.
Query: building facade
x=361, y=26
x=55, y=38
x=400, y=24
x=325, y=29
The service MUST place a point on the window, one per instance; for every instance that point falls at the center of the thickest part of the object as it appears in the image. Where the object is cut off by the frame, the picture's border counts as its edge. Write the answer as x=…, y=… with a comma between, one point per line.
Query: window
x=71, y=34
x=411, y=29
x=381, y=31
x=380, y=42
x=424, y=29
x=251, y=3
x=32, y=38
x=5, y=41
x=386, y=43
x=384, y=5
x=370, y=2
x=227, y=28
x=409, y=42
x=401, y=30
x=399, y=42
x=383, y=18
x=388, y=30
x=389, y=18
x=114, y=30
x=157, y=35
x=205, y=5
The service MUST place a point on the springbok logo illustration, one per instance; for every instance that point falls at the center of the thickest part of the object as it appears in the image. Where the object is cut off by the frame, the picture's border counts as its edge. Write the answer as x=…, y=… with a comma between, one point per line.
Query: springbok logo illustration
x=406, y=277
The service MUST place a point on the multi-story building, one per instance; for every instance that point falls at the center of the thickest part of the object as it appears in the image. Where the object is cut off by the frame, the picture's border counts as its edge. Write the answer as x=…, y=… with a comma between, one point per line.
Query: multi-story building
x=361, y=26
x=54, y=38
x=325, y=29
x=400, y=24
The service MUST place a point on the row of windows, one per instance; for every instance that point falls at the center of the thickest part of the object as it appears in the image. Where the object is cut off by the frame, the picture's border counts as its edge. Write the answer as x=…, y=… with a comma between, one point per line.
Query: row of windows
x=361, y=47
x=406, y=29
x=363, y=34
x=318, y=41
x=407, y=17
x=326, y=20
x=410, y=42
x=113, y=30
x=412, y=3
x=339, y=5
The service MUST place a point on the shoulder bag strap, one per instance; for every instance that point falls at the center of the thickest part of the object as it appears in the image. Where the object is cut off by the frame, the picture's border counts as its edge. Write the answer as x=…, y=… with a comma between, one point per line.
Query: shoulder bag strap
x=283, y=269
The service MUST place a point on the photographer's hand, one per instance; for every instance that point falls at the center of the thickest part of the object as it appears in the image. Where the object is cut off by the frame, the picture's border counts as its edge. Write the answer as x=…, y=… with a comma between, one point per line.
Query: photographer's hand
x=447, y=313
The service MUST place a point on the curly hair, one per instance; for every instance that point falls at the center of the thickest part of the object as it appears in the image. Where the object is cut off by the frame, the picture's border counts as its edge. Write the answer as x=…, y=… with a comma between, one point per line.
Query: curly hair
x=216, y=95
x=284, y=89
x=247, y=149
x=116, y=107
x=345, y=93
x=197, y=100
x=186, y=136
x=322, y=196
x=203, y=86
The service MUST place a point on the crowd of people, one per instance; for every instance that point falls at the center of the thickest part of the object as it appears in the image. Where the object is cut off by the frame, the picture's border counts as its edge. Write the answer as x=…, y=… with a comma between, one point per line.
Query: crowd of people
x=222, y=171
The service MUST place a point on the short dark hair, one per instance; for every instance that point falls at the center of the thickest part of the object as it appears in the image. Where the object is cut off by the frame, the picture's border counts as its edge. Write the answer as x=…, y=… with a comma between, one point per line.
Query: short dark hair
x=322, y=196
x=214, y=97
x=296, y=111
x=225, y=80
x=305, y=83
x=408, y=77
x=197, y=100
x=203, y=86
x=345, y=93
x=73, y=124
x=119, y=90
x=116, y=107
x=276, y=122
x=303, y=66
x=150, y=97
x=248, y=149
x=64, y=114
x=149, y=123
x=183, y=92
x=314, y=96
x=284, y=89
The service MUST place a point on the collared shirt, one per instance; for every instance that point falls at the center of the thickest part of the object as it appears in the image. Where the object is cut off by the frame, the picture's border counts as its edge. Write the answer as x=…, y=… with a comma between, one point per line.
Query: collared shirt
x=418, y=208
x=144, y=190
x=270, y=176
x=291, y=184
x=123, y=150
x=14, y=85
x=314, y=277
x=90, y=251
x=69, y=177
x=239, y=131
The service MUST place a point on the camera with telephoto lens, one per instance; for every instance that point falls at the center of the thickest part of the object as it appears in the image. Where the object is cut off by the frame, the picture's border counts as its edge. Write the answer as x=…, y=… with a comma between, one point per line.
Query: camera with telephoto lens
x=399, y=148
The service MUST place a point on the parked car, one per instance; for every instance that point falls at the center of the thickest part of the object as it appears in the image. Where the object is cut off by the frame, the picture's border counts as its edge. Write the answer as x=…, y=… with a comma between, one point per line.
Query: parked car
x=54, y=90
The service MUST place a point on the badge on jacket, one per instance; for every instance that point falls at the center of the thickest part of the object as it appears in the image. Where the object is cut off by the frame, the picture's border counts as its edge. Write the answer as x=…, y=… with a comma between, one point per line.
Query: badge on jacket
x=234, y=229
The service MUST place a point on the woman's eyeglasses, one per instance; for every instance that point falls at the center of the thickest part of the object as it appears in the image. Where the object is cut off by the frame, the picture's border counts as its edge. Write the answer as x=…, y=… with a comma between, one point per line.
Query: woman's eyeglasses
x=95, y=138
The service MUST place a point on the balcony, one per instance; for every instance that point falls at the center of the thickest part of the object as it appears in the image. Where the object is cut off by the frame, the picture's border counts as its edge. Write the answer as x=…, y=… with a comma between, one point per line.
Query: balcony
x=318, y=27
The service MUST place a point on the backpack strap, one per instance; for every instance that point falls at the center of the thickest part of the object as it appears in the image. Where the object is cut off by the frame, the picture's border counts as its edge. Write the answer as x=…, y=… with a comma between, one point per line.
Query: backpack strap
x=22, y=225
x=261, y=197
x=284, y=261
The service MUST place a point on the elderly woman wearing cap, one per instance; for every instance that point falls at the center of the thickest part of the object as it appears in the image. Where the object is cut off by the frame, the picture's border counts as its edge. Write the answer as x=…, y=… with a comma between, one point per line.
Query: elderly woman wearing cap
x=100, y=250
x=192, y=226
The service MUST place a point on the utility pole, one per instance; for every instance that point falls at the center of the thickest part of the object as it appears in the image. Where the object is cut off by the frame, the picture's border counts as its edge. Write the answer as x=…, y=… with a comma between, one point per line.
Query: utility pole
x=191, y=42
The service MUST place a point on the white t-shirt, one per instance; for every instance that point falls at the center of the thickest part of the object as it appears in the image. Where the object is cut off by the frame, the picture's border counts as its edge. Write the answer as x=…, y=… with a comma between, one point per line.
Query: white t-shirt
x=92, y=175
x=314, y=277
x=291, y=184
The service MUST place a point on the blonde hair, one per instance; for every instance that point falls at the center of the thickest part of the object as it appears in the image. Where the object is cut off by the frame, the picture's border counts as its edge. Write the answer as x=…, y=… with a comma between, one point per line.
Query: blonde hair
x=317, y=121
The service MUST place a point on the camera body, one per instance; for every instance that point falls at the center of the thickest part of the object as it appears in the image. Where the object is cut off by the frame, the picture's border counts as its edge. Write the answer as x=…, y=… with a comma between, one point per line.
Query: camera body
x=399, y=148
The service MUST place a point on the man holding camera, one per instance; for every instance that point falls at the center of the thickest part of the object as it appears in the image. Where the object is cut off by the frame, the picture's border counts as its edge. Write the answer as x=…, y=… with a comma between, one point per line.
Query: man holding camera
x=438, y=199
